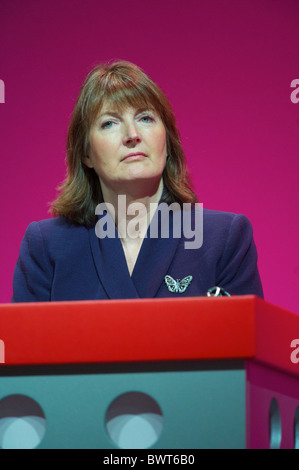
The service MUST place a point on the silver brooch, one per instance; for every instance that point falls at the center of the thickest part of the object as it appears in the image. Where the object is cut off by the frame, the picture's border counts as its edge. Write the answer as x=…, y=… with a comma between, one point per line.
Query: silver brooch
x=177, y=285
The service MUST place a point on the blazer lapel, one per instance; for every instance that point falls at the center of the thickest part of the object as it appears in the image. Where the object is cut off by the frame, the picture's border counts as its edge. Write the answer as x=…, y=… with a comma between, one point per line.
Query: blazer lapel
x=111, y=266
x=155, y=258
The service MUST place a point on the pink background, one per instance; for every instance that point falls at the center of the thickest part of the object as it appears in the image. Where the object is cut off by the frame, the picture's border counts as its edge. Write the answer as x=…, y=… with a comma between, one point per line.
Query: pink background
x=226, y=66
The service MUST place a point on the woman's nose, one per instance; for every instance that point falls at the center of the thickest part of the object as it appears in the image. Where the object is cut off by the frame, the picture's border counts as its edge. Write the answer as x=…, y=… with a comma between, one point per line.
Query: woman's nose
x=131, y=136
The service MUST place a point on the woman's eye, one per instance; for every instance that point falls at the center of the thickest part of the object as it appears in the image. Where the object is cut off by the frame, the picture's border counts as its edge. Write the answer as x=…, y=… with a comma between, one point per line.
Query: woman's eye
x=106, y=124
x=147, y=119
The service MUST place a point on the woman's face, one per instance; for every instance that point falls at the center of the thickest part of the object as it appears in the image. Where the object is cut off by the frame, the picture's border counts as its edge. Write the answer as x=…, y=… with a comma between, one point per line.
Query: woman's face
x=127, y=145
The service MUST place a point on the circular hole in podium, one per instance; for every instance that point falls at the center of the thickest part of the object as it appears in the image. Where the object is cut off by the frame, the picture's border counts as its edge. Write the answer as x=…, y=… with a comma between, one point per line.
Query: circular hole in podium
x=134, y=420
x=274, y=425
x=22, y=422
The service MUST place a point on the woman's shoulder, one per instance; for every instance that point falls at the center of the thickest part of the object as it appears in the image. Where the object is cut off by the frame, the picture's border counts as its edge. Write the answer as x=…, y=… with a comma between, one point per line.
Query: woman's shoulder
x=224, y=226
x=220, y=215
x=54, y=229
x=55, y=223
x=223, y=218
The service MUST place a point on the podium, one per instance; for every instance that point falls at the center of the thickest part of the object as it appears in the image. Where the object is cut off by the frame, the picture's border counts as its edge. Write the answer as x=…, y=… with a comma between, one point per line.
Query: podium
x=183, y=373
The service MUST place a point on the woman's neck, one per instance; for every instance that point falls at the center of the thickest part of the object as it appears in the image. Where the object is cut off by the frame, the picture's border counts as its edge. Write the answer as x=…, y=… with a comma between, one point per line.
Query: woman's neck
x=133, y=207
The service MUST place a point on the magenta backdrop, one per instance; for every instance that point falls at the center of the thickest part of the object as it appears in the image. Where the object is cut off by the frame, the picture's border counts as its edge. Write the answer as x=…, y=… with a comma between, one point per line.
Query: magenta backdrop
x=226, y=66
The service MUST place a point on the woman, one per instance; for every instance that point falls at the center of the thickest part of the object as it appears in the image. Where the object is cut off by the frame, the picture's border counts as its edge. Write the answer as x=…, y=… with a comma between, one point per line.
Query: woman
x=124, y=157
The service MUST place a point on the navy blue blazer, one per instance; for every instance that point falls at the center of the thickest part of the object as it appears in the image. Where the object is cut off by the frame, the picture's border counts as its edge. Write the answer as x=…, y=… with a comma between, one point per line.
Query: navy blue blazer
x=60, y=260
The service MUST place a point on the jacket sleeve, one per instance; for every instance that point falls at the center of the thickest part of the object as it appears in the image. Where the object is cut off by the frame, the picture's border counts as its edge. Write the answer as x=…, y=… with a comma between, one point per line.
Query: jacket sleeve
x=33, y=272
x=237, y=270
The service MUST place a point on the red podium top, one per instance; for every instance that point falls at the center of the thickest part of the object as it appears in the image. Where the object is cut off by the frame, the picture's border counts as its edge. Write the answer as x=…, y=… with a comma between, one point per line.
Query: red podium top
x=128, y=330
x=148, y=330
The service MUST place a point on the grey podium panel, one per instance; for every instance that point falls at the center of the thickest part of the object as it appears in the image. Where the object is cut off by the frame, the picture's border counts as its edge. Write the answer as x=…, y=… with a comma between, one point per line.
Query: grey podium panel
x=201, y=407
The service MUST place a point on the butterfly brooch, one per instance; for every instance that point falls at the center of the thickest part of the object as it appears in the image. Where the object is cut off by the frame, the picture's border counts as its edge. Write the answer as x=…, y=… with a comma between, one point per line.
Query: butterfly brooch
x=177, y=285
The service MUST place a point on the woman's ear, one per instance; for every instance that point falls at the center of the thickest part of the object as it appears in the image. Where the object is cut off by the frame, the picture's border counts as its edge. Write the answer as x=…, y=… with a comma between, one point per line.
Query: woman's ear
x=87, y=161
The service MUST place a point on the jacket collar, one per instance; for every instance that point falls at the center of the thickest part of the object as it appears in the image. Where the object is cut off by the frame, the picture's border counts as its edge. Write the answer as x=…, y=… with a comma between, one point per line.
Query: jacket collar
x=111, y=266
x=152, y=265
x=154, y=259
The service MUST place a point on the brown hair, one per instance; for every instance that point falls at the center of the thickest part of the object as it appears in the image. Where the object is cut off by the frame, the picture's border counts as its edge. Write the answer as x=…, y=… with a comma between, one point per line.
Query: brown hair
x=121, y=83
